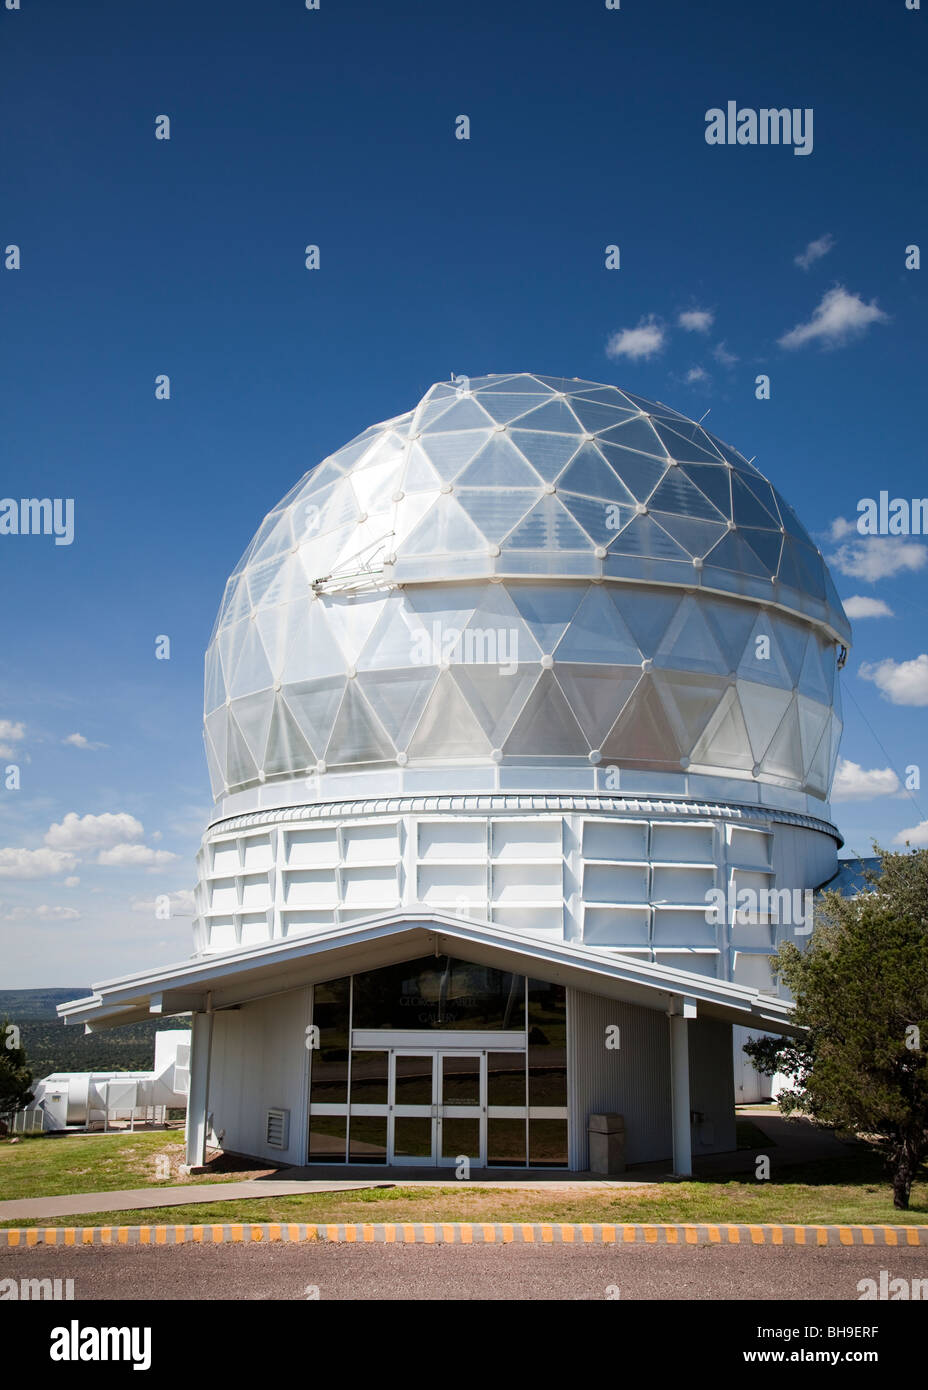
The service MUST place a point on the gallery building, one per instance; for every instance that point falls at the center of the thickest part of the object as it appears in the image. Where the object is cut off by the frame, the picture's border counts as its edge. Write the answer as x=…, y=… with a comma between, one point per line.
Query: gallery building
x=498, y=698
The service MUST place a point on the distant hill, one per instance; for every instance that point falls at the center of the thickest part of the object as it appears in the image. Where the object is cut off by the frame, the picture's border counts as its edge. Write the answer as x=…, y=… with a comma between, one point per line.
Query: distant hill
x=21, y=1004
x=51, y=1046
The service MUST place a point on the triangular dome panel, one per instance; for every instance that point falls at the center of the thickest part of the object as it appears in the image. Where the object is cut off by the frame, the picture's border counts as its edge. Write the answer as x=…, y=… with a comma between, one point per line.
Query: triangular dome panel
x=547, y=727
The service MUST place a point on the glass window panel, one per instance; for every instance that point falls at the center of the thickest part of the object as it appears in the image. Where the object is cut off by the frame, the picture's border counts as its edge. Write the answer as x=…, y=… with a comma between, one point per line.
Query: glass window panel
x=598, y=633
x=329, y=1062
x=747, y=511
x=445, y=529
x=460, y=1138
x=439, y=993
x=496, y=700
x=449, y=453
x=590, y=475
x=642, y=536
x=639, y=473
x=369, y=1077
x=600, y=520
x=677, y=494
x=698, y=449
x=413, y=1084
x=505, y=405
x=547, y=453
x=635, y=434
x=519, y=383
x=547, y=609
x=506, y=1143
x=496, y=511
x=506, y=1079
x=357, y=737
x=327, y=1135
x=412, y=1137
x=547, y=1143
x=549, y=526
x=460, y=1080
x=367, y=1139
x=547, y=1043
x=314, y=705
x=547, y=723
x=597, y=695
x=595, y=416
x=555, y=416
x=398, y=699
x=499, y=464
x=465, y=414
x=448, y=727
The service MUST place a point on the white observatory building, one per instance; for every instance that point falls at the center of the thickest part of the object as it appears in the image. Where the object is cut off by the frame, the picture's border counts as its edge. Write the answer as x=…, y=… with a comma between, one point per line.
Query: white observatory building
x=497, y=697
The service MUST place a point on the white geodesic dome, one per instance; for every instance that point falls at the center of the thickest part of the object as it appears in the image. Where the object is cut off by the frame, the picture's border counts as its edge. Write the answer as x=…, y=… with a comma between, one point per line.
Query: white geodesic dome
x=528, y=570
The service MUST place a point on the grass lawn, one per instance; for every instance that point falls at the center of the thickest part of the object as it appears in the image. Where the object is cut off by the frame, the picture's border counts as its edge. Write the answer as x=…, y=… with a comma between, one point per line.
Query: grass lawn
x=852, y=1191
x=37, y=1167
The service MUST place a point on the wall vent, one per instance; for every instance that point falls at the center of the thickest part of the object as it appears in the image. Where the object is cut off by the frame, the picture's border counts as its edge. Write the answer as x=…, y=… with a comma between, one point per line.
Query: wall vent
x=277, y=1129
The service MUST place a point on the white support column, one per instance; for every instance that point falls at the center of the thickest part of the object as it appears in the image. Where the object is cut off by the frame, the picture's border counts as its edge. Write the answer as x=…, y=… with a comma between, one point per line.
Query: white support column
x=682, y=1010
x=201, y=1041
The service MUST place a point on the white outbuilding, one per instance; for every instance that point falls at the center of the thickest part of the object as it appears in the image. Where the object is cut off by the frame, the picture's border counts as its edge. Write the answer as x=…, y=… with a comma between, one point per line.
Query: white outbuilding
x=503, y=700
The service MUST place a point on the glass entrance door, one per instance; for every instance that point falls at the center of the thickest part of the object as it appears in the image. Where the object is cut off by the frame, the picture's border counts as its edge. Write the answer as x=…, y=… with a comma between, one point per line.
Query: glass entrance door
x=412, y=1111
x=437, y=1108
x=462, y=1108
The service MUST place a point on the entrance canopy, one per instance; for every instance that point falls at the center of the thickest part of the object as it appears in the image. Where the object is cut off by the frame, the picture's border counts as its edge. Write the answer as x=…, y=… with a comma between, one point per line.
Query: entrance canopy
x=224, y=981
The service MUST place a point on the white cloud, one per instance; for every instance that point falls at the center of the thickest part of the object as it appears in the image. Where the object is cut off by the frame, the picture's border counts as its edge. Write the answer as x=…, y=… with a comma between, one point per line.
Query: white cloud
x=697, y=374
x=858, y=606
x=35, y=863
x=646, y=340
x=696, y=320
x=916, y=836
x=902, y=682
x=840, y=528
x=814, y=251
x=878, y=557
x=10, y=732
x=721, y=354
x=72, y=882
x=79, y=741
x=837, y=319
x=93, y=832
x=134, y=856
x=181, y=904
x=855, y=783
x=43, y=913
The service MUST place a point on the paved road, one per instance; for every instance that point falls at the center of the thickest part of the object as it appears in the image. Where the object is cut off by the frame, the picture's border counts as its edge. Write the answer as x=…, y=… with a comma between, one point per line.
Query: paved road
x=465, y=1272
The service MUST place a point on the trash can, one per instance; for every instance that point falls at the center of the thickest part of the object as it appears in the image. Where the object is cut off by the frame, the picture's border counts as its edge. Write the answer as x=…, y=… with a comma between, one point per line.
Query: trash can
x=607, y=1144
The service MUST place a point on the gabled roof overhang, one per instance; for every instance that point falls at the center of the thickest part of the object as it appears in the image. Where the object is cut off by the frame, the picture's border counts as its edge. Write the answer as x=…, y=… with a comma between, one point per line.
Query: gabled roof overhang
x=226, y=981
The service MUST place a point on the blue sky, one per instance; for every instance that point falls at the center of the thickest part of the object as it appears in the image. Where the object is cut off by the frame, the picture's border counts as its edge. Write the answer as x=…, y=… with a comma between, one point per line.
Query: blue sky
x=336, y=127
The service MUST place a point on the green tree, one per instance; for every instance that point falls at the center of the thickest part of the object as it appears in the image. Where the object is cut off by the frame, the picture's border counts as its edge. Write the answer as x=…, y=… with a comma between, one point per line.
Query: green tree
x=15, y=1077
x=861, y=992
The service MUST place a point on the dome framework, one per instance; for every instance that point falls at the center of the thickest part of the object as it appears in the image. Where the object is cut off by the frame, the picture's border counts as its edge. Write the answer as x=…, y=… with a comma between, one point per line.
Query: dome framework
x=528, y=568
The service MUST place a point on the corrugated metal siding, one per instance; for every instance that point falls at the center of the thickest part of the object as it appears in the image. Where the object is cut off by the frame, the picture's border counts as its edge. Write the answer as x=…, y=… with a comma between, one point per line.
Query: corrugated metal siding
x=633, y=1080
